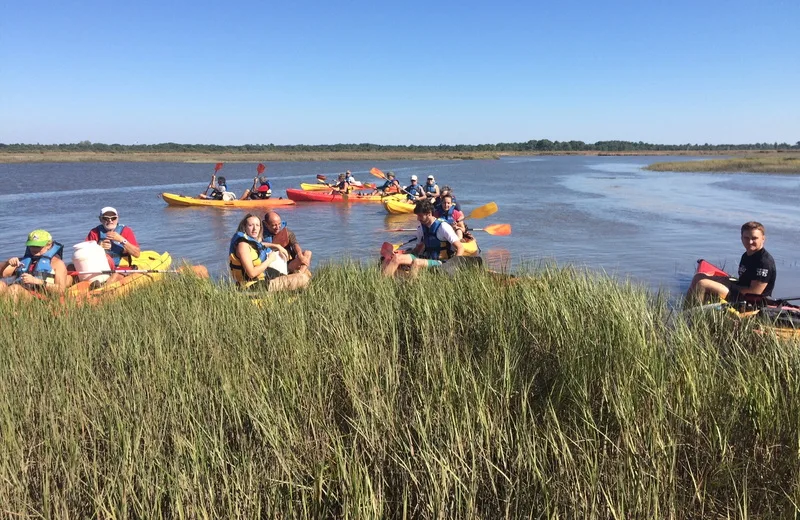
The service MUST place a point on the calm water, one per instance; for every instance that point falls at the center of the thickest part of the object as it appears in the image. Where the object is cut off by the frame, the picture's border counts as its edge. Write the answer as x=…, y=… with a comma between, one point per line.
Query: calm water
x=602, y=212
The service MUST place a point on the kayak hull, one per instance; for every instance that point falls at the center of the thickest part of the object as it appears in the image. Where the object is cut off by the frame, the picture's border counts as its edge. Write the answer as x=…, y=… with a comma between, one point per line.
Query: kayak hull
x=470, y=246
x=307, y=186
x=337, y=198
x=181, y=201
x=147, y=260
x=398, y=206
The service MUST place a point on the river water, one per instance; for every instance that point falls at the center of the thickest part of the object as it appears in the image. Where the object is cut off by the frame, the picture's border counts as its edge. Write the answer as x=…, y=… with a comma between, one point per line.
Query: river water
x=604, y=213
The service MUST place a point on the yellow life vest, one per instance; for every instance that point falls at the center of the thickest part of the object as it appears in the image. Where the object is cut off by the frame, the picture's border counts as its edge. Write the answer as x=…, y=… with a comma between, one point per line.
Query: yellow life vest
x=258, y=254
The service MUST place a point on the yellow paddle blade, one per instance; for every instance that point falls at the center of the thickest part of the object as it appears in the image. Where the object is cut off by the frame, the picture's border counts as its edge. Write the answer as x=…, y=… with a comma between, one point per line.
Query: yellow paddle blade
x=377, y=173
x=483, y=211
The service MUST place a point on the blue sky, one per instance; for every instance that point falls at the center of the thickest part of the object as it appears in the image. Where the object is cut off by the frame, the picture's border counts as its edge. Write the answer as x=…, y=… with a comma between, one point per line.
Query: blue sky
x=412, y=72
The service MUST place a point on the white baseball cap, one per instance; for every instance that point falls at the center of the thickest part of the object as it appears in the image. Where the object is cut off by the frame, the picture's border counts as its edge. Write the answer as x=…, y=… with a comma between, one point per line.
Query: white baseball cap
x=108, y=209
x=413, y=177
x=431, y=177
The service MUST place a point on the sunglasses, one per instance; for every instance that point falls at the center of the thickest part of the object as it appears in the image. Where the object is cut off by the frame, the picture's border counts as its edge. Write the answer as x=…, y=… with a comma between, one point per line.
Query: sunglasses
x=109, y=219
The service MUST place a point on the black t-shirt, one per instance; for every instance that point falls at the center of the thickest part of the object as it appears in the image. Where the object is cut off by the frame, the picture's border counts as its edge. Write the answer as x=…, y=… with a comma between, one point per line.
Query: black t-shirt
x=759, y=267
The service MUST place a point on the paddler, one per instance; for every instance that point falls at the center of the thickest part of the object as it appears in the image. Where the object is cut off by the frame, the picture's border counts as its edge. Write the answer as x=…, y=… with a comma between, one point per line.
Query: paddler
x=451, y=215
x=414, y=190
x=118, y=241
x=39, y=271
x=392, y=185
x=431, y=189
x=218, y=189
x=261, y=189
x=252, y=262
x=757, y=271
x=278, y=236
x=436, y=242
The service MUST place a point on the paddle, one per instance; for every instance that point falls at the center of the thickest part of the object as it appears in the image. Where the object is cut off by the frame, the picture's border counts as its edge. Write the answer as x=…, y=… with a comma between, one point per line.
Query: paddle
x=260, y=168
x=128, y=271
x=217, y=168
x=494, y=229
x=379, y=174
x=322, y=179
x=483, y=211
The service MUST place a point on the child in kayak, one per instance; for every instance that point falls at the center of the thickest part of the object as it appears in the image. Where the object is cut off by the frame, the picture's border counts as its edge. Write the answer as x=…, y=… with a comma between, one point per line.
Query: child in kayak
x=756, y=271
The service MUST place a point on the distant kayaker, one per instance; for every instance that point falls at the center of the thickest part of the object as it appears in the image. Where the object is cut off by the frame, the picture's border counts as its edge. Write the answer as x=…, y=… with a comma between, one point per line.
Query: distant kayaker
x=40, y=270
x=757, y=271
x=218, y=189
x=431, y=189
x=252, y=263
x=277, y=235
x=414, y=190
x=392, y=185
x=348, y=176
x=451, y=215
x=119, y=242
x=260, y=190
x=436, y=241
x=342, y=186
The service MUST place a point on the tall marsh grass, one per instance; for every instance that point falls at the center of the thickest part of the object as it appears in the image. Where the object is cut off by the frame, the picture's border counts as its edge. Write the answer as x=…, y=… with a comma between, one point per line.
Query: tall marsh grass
x=767, y=163
x=561, y=395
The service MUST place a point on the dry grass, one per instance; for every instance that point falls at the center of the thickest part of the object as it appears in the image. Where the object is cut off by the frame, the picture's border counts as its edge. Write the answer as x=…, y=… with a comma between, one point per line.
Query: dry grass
x=770, y=163
x=195, y=157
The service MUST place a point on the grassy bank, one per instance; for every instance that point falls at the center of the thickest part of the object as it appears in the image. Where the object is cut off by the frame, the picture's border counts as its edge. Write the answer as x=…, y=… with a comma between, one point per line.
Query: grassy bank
x=60, y=156
x=766, y=163
x=560, y=395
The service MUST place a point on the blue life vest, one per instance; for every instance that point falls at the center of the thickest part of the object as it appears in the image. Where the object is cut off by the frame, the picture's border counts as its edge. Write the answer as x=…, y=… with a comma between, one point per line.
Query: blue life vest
x=435, y=249
x=447, y=216
x=40, y=267
x=389, y=183
x=117, y=250
x=437, y=206
x=430, y=188
x=414, y=191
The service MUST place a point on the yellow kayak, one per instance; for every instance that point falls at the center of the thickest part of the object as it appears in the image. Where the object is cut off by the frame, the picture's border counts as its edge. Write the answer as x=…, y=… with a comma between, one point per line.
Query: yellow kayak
x=147, y=260
x=398, y=205
x=183, y=201
x=470, y=246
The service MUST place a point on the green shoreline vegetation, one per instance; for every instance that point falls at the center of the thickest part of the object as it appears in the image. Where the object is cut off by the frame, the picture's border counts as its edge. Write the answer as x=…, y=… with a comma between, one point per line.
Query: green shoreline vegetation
x=768, y=163
x=563, y=394
x=86, y=151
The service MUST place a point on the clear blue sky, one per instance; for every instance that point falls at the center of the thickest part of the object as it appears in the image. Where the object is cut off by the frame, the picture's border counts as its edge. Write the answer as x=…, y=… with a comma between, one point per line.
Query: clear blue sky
x=411, y=72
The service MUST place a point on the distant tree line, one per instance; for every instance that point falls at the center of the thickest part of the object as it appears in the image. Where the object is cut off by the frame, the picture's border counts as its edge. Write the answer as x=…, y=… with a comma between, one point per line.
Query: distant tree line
x=540, y=145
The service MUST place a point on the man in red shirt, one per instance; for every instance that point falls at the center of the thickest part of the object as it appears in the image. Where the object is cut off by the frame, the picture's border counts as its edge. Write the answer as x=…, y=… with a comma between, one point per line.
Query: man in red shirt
x=119, y=242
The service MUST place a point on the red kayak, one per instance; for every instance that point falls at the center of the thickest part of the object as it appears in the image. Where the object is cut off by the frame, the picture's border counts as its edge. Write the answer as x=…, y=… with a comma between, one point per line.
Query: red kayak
x=709, y=269
x=316, y=196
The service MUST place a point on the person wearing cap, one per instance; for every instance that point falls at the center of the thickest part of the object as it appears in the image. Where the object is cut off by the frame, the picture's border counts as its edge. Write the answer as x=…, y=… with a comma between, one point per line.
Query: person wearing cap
x=348, y=176
x=119, y=242
x=40, y=270
x=278, y=236
x=218, y=189
x=392, y=185
x=342, y=185
x=261, y=189
x=431, y=189
x=414, y=191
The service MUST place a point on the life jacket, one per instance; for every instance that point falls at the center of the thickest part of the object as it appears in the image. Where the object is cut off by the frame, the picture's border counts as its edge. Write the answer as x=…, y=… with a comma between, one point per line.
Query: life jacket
x=447, y=216
x=218, y=192
x=437, y=206
x=258, y=253
x=40, y=266
x=413, y=191
x=430, y=188
x=435, y=249
x=117, y=251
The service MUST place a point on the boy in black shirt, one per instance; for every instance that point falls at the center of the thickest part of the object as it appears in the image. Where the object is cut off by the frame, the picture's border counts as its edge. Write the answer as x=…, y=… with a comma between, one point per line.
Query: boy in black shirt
x=756, y=271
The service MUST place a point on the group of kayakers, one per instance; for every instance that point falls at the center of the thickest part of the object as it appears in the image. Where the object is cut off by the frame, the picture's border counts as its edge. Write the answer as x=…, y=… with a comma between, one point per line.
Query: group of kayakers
x=41, y=269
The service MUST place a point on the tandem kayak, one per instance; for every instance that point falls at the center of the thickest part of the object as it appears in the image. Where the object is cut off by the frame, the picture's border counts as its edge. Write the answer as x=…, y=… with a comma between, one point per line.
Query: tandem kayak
x=398, y=205
x=147, y=260
x=316, y=196
x=307, y=186
x=182, y=201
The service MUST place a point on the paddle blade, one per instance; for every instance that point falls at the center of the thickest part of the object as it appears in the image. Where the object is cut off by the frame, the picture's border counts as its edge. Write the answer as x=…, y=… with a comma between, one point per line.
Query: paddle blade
x=260, y=168
x=218, y=167
x=498, y=229
x=483, y=211
x=321, y=178
x=377, y=173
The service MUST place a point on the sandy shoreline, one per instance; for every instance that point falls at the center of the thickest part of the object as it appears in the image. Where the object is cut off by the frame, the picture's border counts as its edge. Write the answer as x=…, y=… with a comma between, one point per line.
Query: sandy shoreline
x=58, y=156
